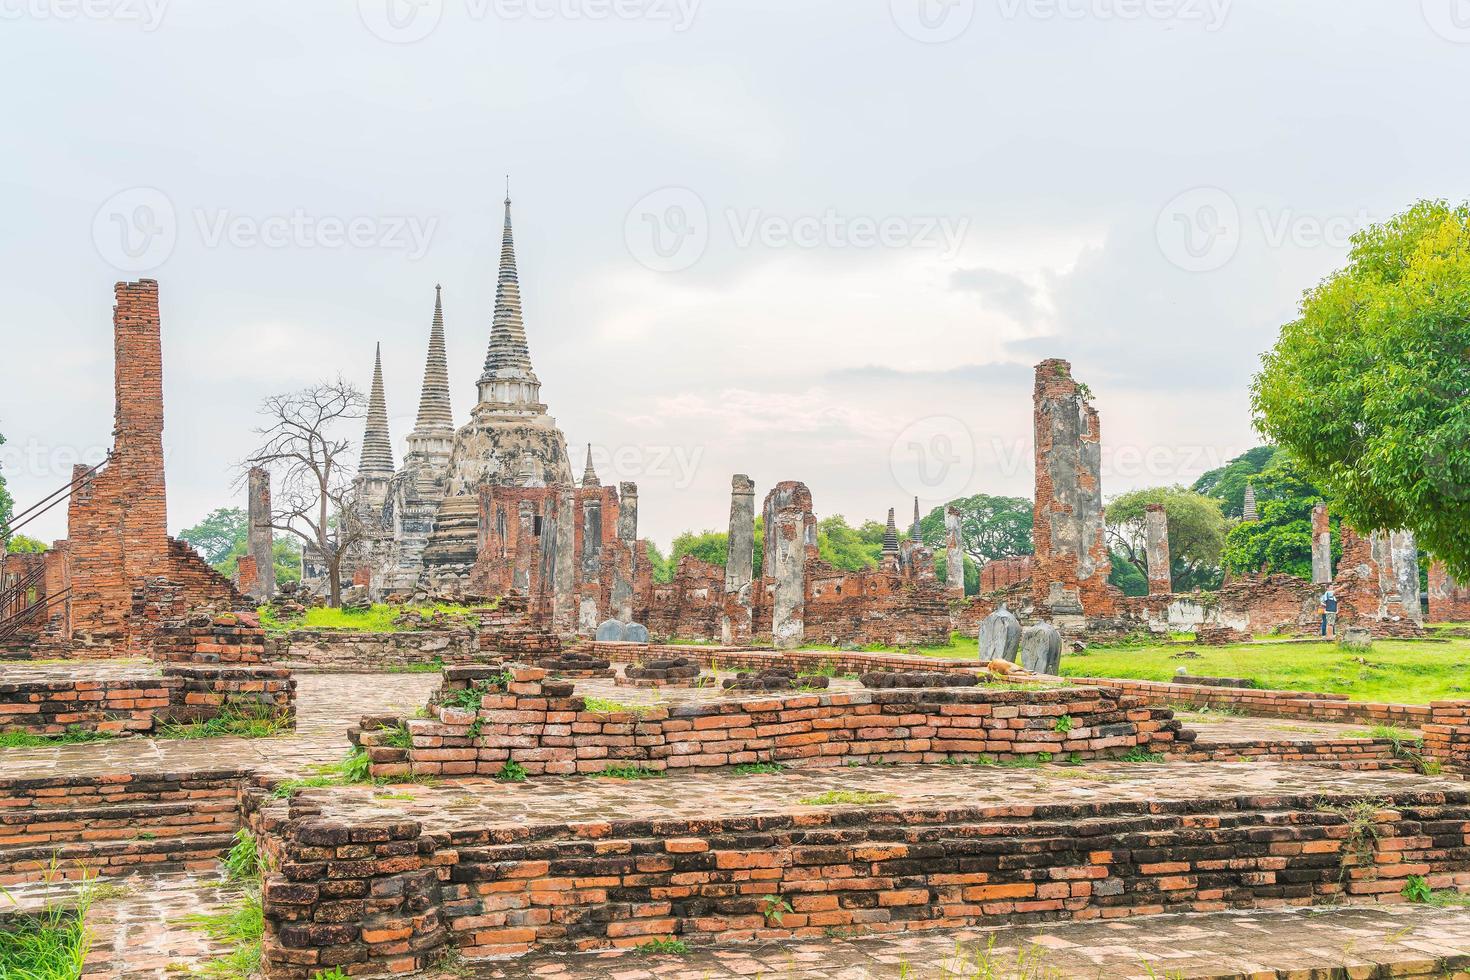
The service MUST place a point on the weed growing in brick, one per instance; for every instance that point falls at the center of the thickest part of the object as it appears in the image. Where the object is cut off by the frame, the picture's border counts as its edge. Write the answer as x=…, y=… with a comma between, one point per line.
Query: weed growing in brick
x=1064, y=724
x=968, y=760
x=74, y=734
x=604, y=706
x=1417, y=890
x=512, y=772
x=670, y=947
x=758, y=768
x=241, y=719
x=51, y=944
x=852, y=797
x=435, y=666
x=242, y=862
x=1140, y=754
x=774, y=908
x=397, y=737
x=632, y=772
x=242, y=926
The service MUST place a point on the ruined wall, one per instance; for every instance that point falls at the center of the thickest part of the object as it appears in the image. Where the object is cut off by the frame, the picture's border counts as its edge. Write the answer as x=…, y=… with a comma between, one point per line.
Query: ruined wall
x=1367, y=587
x=1071, y=564
x=1005, y=572
x=1321, y=546
x=689, y=607
x=1449, y=601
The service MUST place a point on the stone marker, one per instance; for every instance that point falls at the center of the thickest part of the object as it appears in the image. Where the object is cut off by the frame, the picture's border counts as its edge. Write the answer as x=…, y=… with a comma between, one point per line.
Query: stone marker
x=1000, y=635
x=611, y=631
x=1355, y=638
x=1041, y=649
x=635, y=633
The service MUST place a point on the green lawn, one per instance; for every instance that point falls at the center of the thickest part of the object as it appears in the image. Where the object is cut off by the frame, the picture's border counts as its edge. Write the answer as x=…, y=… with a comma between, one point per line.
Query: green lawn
x=1403, y=671
x=378, y=619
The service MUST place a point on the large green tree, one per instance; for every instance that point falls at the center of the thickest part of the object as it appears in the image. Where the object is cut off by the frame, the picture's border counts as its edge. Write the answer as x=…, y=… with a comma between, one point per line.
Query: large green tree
x=1369, y=388
x=223, y=536
x=1227, y=483
x=1281, y=540
x=992, y=527
x=1196, y=534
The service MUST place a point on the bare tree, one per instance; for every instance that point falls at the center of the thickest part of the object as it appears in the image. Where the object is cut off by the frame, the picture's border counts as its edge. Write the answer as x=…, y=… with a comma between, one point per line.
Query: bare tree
x=311, y=465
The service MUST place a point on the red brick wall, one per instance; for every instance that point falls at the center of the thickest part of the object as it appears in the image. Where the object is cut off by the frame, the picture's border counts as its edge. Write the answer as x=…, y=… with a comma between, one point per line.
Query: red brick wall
x=1005, y=572
x=1449, y=601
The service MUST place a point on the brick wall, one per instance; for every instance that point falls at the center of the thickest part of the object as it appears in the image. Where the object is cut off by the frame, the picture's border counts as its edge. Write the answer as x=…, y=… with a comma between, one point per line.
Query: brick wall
x=338, y=651
x=1005, y=572
x=201, y=638
x=1302, y=705
x=1449, y=601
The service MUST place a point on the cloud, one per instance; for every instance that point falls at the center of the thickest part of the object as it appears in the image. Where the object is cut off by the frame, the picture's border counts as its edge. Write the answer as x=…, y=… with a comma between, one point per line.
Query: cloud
x=1000, y=291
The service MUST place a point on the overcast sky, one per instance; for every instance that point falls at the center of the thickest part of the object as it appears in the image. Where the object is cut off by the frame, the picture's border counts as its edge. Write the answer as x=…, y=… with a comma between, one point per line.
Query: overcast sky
x=822, y=240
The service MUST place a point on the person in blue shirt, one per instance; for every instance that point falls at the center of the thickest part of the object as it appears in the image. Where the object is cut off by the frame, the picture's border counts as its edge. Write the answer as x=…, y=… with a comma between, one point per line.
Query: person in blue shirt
x=1329, y=614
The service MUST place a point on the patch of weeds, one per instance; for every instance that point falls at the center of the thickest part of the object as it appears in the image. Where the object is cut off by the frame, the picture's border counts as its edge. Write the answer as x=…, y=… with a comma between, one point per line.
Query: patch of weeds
x=396, y=737
x=352, y=769
x=1026, y=761
x=249, y=719
x=758, y=768
x=242, y=862
x=242, y=926
x=866, y=763
x=74, y=735
x=435, y=666
x=962, y=760
x=631, y=772
x=667, y=947
x=604, y=706
x=335, y=973
x=1362, y=839
x=1417, y=890
x=826, y=668
x=853, y=797
x=1074, y=758
x=51, y=944
x=774, y=908
x=1406, y=747
x=145, y=835
x=466, y=698
x=394, y=796
x=1139, y=754
x=476, y=727
x=512, y=772
x=1064, y=724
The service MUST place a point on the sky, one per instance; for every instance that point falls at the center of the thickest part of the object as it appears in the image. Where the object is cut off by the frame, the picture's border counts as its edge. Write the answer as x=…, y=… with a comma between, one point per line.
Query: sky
x=823, y=240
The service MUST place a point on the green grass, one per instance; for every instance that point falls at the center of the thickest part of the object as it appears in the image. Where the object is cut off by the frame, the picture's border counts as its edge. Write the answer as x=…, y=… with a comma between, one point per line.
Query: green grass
x=959, y=645
x=51, y=944
x=242, y=863
x=247, y=720
x=604, y=706
x=852, y=797
x=667, y=947
x=378, y=619
x=1403, y=671
x=758, y=768
x=241, y=925
x=72, y=736
x=512, y=772
x=434, y=666
x=351, y=769
x=1137, y=754
x=631, y=772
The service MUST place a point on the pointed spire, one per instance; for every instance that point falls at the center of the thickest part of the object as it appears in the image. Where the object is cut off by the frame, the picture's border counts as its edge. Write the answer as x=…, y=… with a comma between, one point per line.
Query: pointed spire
x=890, y=536
x=914, y=528
x=377, y=449
x=435, y=412
x=508, y=359
x=1249, y=507
x=589, y=474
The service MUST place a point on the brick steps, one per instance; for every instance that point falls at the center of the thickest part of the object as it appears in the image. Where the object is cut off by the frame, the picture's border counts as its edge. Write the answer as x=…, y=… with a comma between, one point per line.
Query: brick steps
x=112, y=858
x=65, y=825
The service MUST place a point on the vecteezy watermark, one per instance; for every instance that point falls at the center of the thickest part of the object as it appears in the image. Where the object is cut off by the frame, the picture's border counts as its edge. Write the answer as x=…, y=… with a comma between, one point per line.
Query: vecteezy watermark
x=137, y=229
x=38, y=460
x=670, y=229
x=1210, y=14
x=667, y=230
x=147, y=14
x=932, y=21
x=676, y=464
x=1201, y=229
x=933, y=458
x=1450, y=19
x=407, y=21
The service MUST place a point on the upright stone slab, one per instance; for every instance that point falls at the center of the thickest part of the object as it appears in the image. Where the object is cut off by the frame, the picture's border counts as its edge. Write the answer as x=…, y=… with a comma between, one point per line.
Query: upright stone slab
x=1321, y=546
x=735, y=622
x=611, y=631
x=1405, y=552
x=791, y=535
x=1041, y=649
x=635, y=633
x=259, y=537
x=564, y=574
x=954, y=552
x=1156, y=545
x=1071, y=564
x=1000, y=635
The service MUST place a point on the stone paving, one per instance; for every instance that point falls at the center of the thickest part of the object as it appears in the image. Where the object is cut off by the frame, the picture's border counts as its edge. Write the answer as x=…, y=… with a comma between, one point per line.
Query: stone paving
x=554, y=801
x=1400, y=940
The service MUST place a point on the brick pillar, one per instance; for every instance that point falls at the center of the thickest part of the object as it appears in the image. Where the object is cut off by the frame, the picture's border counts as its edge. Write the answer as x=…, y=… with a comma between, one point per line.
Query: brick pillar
x=625, y=560
x=564, y=584
x=1156, y=545
x=735, y=623
x=261, y=540
x=1321, y=546
x=1449, y=601
x=954, y=552
x=791, y=537
x=1071, y=563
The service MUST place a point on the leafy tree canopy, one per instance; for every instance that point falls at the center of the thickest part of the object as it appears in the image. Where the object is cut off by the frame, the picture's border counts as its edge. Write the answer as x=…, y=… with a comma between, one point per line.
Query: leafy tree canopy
x=1368, y=386
x=992, y=527
x=223, y=537
x=1282, y=539
x=1227, y=483
x=1126, y=576
x=1196, y=534
x=22, y=544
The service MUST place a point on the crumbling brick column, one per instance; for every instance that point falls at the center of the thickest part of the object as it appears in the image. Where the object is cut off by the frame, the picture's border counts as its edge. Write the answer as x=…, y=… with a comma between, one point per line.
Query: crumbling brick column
x=261, y=540
x=791, y=535
x=735, y=622
x=1449, y=601
x=1071, y=564
x=1156, y=544
x=246, y=574
x=954, y=552
x=1321, y=546
x=625, y=561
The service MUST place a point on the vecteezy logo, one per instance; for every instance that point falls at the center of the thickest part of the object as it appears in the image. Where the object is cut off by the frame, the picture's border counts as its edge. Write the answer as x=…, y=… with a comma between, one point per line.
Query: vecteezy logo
x=1199, y=230
x=933, y=458
x=400, y=21
x=1450, y=19
x=932, y=21
x=136, y=229
x=667, y=230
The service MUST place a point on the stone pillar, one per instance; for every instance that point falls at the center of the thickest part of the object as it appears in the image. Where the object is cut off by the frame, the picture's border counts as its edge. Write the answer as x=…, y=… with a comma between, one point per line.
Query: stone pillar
x=1405, y=553
x=735, y=623
x=1321, y=546
x=523, y=558
x=625, y=562
x=260, y=539
x=564, y=572
x=1071, y=563
x=791, y=534
x=1156, y=544
x=589, y=613
x=954, y=552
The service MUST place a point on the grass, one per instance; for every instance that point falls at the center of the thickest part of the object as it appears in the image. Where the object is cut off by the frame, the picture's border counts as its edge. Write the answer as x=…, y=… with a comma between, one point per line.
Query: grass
x=604, y=706
x=1138, y=754
x=667, y=947
x=353, y=768
x=73, y=735
x=243, y=720
x=241, y=925
x=242, y=863
x=1402, y=671
x=51, y=944
x=512, y=772
x=631, y=772
x=434, y=666
x=378, y=619
x=851, y=797
x=758, y=768
x=959, y=645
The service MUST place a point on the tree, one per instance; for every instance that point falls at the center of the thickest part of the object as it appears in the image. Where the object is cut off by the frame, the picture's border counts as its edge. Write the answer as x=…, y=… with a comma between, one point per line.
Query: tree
x=7, y=506
x=662, y=568
x=1196, y=534
x=1126, y=577
x=852, y=549
x=314, y=498
x=710, y=546
x=991, y=527
x=224, y=536
x=1227, y=483
x=1281, y=539
x=1369, y=388
x=22, y=544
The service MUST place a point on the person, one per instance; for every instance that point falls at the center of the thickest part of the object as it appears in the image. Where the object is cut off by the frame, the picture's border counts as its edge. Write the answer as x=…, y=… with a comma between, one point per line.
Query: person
x=1329, y=614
